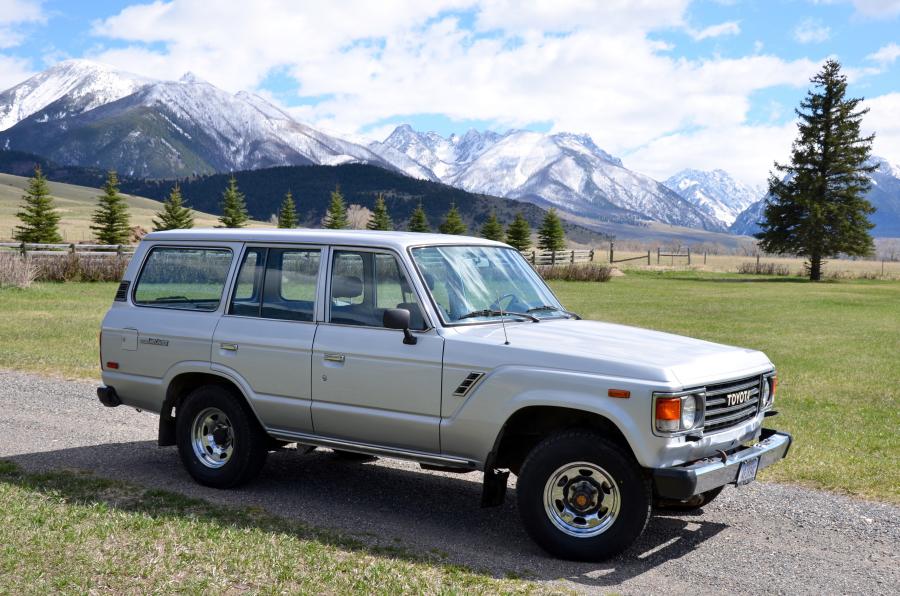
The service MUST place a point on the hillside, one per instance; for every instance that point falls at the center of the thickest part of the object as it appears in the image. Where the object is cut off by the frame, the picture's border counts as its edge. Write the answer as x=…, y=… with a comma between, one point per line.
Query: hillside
x=76, y=204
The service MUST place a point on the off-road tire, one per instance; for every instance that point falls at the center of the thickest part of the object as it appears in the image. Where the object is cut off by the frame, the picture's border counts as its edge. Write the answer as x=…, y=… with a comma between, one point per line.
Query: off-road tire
x=250, y=442
x=583, y=446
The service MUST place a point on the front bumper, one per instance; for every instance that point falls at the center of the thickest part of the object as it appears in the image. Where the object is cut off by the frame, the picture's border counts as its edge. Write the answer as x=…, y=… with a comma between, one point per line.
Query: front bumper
x=685, y=481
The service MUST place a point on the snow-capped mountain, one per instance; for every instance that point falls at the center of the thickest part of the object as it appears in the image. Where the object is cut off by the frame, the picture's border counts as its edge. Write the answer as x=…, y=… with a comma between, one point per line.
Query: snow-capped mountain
x=160, y=129
x=884, y=196
x=74, y=86
x=714, y=192
x=564, y=170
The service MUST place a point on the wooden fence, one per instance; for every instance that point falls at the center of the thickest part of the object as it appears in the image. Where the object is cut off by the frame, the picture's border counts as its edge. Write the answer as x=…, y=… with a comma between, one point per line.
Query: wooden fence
x=559, y=257
x=58, y=250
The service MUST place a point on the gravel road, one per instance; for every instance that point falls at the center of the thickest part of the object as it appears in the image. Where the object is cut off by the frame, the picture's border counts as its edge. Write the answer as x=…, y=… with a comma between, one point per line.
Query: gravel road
x=763, y=538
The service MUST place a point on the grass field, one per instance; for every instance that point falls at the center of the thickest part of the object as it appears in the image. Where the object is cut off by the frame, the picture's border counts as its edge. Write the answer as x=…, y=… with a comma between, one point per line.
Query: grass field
x=76, y=205
x=67, y=533
x=835, y=344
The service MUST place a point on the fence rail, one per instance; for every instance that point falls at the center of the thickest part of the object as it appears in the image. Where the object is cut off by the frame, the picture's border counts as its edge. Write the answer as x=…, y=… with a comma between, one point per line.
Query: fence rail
x=58, y=250
x=559, y=257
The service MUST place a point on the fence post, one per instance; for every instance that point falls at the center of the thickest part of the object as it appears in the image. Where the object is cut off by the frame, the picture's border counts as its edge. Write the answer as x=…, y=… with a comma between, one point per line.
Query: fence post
x=611, y=261
x=573, y=258
x=72, y=248
x=757, y=263
x=534, y=257
x=704, y=257
x=592, y=256
x=648, y=257
x=118, y=250
x=24, y=252
x=552, y=258
x=657, y=255
x=689, y=255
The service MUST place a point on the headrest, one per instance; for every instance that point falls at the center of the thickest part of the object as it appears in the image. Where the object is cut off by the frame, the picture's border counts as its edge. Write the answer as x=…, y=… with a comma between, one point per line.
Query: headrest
x=346, y=286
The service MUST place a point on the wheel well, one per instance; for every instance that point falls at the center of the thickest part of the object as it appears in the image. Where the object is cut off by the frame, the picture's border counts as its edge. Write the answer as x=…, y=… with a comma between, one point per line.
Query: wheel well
x=528, y=426
x=181, y=386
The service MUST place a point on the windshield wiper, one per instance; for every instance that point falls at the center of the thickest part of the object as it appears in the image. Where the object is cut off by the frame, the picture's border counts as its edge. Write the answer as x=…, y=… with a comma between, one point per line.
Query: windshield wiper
x=551, y=308
x=498, y=313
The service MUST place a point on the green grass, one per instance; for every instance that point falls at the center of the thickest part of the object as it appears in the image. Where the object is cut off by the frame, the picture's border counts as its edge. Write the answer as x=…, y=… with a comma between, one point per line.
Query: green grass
x=62, y=532
x=836, y=346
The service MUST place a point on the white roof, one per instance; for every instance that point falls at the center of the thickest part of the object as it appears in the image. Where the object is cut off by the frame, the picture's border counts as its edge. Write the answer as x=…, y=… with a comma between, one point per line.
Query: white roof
x=396, y=240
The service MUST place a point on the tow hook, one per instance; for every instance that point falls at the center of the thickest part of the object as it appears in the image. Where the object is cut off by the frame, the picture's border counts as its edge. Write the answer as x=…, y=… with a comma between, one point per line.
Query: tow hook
x=108, y=397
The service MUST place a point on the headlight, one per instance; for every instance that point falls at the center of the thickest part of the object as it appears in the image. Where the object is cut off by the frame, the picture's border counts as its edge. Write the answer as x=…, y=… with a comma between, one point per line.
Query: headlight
x=677, y=414
x=768, y=391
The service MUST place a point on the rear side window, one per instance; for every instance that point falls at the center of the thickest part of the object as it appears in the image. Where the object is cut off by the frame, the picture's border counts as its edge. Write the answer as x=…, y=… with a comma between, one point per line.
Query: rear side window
x=277, y=283
x=183, y=278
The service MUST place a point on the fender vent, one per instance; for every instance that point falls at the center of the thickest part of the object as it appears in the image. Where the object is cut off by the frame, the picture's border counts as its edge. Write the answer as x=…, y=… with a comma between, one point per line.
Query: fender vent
x=466, y=386
x=122, y=292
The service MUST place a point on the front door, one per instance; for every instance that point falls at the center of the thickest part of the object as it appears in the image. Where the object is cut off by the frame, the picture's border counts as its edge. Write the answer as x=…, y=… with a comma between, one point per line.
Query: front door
x=266, y=335
x=367, y=385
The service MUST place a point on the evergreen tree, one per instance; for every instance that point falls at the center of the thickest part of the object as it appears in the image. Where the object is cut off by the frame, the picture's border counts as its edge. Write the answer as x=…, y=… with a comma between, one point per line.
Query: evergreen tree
x=492, y=230
x=40, y=221
x=287, y=215
x=111, y=224
x=336, y=218
x=816, y=206
x=418, y=221
x=174, y=216
x=453, y=223
x=234, y=208
x=381, y=219
x=518, y=233
x=551, y=235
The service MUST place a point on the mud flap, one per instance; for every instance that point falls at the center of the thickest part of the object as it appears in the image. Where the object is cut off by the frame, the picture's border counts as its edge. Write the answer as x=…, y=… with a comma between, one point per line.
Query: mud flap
x=494, y=489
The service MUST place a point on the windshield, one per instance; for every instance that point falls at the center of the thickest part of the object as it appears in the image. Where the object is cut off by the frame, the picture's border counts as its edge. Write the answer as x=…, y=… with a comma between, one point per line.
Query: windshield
x=471, y=284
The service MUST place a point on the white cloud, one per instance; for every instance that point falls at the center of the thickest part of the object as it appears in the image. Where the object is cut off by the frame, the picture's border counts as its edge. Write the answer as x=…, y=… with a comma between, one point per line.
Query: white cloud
x=13, y=71
x=811, y=31
x=13, y=14
x=877, y=8
x=884, y=120
x=886, y=55
x=728, y=28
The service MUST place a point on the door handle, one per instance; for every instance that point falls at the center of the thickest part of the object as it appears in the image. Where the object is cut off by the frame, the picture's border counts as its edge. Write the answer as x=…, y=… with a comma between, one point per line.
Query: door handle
x=229, y=347
x=335, y=357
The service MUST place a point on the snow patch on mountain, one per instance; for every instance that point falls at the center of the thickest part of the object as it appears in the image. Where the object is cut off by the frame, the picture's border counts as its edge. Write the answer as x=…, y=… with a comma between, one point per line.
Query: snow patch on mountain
x=83, y=83
x=714, y=192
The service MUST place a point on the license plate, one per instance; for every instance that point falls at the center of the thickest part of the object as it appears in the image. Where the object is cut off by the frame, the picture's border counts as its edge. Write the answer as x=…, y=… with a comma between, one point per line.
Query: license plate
x=747, y=471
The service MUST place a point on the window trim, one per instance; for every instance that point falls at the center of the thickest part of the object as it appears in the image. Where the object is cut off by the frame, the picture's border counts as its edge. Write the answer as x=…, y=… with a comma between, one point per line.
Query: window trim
x=323, y=257
x=403, y=267
x=140, y=274
x=437, y=308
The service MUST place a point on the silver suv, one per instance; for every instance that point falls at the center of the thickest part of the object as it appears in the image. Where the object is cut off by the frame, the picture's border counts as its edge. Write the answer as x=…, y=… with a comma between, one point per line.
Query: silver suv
x=445, y=350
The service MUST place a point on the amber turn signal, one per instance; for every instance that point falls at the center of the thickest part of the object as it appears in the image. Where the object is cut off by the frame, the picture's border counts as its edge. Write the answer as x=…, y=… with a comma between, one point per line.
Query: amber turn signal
x=619, y=393
x=668, y=408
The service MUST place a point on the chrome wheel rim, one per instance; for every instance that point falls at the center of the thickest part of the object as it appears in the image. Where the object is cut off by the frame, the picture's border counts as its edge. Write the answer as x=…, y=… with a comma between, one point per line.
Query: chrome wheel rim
x=582, y=499
x=212, y=438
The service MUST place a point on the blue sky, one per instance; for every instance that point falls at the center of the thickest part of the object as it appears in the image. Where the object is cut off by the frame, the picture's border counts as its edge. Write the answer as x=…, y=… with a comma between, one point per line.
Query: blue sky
x=664, y=85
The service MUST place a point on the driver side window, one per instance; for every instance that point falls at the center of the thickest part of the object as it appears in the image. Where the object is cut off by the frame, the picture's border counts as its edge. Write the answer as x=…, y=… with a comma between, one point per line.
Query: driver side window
x=365, y=284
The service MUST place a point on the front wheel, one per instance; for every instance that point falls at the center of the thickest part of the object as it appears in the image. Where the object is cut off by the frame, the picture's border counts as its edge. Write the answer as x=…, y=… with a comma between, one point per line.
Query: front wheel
x=219, y=440
x=583, y=497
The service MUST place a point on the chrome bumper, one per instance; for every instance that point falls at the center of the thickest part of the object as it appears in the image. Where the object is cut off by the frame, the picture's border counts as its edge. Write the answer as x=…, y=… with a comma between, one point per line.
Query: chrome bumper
x=682, y=482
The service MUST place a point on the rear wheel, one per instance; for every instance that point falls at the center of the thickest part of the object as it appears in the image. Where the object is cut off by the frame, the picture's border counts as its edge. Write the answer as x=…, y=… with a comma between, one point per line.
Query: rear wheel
x=219, y=440
x=583, y=497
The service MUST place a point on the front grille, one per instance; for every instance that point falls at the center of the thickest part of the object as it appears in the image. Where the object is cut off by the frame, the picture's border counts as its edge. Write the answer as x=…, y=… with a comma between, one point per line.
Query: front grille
x=722, y=416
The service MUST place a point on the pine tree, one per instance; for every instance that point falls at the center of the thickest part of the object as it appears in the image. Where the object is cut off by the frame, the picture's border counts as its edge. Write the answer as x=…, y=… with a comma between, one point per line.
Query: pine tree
x=381, y=219
x=40, y=221
x=453, y=223
x=492, y=230
x=234, y=209
x=111, y=224
x=287, y=215
x=518, y=233
x=816, y=206
x=551, y=235
x=418, y=221
x=336, y=218
x=174, y=216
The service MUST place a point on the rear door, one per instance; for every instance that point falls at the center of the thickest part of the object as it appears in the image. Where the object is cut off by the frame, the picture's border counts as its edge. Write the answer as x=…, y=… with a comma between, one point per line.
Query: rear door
x=266, y=335
x=367, y=385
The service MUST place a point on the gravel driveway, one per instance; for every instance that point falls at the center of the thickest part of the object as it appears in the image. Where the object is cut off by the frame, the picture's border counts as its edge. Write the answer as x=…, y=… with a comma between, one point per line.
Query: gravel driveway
x=763, y=538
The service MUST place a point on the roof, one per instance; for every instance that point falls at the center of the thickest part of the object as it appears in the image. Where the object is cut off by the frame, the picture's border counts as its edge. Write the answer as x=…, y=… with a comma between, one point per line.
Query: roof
x=396, y=240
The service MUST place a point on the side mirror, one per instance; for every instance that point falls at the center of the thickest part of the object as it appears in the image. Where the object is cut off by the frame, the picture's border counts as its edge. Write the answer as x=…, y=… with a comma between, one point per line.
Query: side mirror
x=398, y=318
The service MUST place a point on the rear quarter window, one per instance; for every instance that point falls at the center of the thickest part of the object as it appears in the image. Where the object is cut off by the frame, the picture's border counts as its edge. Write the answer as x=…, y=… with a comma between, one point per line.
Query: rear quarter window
x=183, y=278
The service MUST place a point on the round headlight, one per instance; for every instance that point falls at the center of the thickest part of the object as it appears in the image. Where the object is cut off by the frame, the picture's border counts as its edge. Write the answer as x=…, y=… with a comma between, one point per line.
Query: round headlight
x=688, y=412
x=766, y=396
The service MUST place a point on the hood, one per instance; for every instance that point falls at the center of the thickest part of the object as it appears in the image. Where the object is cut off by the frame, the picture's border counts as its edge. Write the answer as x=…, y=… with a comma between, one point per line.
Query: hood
x=609, y=349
